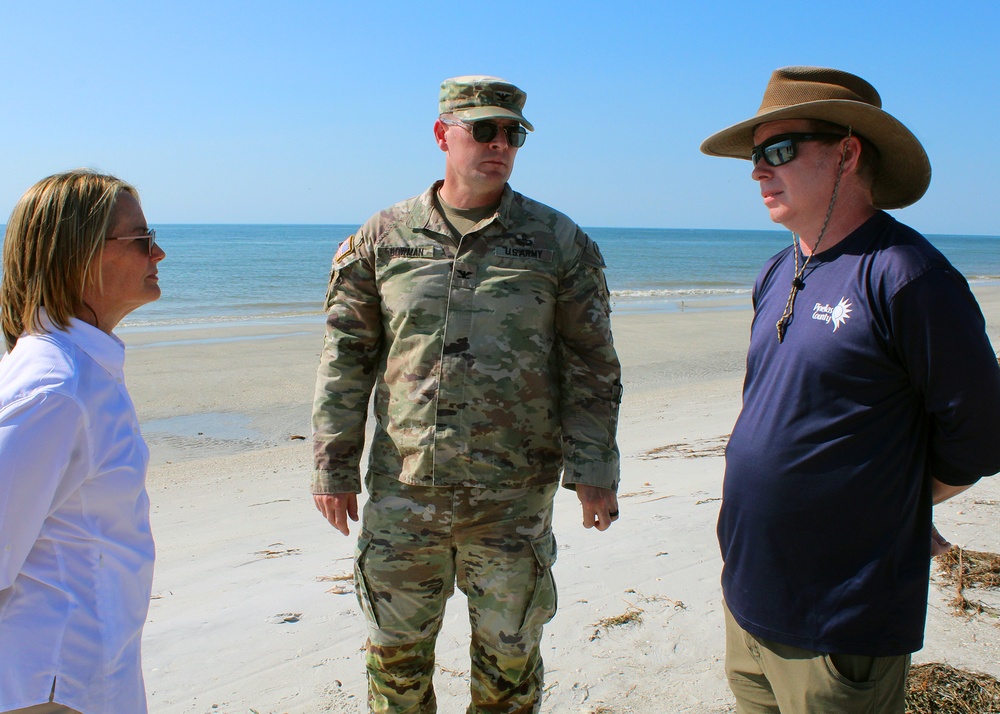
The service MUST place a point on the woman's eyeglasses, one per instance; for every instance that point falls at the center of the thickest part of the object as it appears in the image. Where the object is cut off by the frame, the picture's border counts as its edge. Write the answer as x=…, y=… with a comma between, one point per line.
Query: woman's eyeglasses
x=149, y=237
x=780, y=149
x=484, y=131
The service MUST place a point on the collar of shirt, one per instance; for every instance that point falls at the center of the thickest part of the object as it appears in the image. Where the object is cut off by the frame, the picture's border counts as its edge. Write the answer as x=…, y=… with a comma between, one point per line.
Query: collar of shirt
x=425, y=214
x=107, y=350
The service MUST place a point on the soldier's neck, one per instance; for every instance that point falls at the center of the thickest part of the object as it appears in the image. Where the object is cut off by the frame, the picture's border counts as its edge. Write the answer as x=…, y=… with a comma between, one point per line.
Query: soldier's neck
x=466, y=196
x=463, y=220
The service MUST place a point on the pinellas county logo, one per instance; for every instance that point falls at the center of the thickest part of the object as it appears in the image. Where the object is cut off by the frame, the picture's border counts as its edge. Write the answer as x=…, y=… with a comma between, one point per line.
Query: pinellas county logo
x=837, y=315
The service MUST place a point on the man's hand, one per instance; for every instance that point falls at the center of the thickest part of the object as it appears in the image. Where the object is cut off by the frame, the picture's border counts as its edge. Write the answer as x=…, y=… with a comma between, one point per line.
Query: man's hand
x=939, y=544
x=600, y=506
x=337, y=507
x=941, y=492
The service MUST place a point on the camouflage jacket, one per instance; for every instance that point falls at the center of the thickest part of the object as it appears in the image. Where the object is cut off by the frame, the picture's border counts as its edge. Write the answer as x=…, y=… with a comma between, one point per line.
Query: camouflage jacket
x=491, y=358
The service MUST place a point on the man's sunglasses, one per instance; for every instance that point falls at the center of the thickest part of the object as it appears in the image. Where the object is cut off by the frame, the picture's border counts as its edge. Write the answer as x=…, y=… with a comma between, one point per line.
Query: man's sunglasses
x=484, y=131
x=149, y=237
x=780, y=149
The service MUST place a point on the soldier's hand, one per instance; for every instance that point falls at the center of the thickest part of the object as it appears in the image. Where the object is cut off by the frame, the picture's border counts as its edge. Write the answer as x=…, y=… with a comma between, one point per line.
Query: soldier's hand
x=337, y=507
x=600, y=506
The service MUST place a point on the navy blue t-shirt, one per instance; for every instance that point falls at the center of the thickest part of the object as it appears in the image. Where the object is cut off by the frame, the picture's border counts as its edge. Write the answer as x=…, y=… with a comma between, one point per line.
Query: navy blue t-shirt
x=885, y=378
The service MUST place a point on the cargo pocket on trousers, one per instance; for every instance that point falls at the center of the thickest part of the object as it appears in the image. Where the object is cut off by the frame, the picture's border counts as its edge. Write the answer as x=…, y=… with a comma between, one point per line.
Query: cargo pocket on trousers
x=361, y=589
x=542, y=606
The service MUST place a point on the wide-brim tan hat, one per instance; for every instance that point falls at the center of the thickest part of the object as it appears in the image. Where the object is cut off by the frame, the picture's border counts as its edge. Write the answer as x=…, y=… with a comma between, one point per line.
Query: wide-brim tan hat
x=903, y=170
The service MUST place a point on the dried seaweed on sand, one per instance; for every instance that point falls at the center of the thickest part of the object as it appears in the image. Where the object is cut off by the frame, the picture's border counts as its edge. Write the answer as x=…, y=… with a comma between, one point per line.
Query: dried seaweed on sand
x=633, y=615
x=970, y=569
x=941, y=689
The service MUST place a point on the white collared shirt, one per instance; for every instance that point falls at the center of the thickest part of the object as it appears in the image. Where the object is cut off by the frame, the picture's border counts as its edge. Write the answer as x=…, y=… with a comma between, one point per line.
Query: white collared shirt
x=76, y=552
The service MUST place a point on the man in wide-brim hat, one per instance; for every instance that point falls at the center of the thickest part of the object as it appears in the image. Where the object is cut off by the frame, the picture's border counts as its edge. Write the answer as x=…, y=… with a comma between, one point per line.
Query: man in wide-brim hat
x=872, y=392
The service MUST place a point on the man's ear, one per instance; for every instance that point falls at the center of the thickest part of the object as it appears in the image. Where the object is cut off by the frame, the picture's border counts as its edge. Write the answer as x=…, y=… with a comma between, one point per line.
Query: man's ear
x=853, y=156
x=439, y=130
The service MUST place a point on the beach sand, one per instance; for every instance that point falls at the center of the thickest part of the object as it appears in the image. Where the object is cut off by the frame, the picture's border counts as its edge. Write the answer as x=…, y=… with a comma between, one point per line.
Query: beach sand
x=253, y=608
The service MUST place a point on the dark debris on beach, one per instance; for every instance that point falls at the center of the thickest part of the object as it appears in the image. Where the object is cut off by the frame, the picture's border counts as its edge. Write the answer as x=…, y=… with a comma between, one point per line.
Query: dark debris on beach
x=966, y=569
x=941, y=689
x=937, y=688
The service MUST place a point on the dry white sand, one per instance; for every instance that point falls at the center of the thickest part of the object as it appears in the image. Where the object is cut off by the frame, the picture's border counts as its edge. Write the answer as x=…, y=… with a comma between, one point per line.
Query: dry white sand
x=250, y=611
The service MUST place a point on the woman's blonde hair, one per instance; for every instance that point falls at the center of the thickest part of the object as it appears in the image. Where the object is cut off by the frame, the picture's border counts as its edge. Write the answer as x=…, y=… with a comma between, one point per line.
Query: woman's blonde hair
x=55, y=233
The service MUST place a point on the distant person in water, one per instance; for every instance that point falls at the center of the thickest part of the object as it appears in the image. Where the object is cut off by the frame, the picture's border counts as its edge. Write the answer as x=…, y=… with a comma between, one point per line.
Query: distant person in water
x=871, y=394
x=76, y=553
x=481, y=320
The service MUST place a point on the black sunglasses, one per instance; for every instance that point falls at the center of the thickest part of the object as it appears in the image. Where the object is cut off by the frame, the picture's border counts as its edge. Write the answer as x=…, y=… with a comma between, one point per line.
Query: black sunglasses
x=780, y=149
x=484, y=131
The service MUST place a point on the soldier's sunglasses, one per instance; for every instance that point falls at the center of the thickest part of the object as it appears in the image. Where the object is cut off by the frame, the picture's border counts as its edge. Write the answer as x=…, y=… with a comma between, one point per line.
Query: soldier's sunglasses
x=780, y=149
x=484, y=131
x=150, y=238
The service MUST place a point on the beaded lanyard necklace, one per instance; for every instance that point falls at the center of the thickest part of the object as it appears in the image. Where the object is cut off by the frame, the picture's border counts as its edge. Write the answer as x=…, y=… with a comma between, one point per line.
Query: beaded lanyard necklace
x=797, y=282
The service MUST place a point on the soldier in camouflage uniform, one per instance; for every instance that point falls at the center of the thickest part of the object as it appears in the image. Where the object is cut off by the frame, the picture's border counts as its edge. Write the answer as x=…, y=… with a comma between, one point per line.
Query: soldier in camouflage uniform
x=480, y=318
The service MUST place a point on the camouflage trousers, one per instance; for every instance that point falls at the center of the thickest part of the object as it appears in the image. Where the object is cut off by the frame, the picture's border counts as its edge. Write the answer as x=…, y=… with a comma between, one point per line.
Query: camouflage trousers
x=415, y=544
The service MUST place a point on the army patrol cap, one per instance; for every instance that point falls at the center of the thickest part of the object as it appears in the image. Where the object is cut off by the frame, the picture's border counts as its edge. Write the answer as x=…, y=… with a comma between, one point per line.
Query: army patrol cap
x=474, y=97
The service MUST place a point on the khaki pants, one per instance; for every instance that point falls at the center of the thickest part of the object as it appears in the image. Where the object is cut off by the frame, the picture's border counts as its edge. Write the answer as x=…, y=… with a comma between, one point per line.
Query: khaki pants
x=772, y=678
x=416, y=543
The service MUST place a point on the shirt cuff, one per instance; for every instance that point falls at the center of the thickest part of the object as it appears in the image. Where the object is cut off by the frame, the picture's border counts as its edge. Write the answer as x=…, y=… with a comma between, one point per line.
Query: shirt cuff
x=591, y=474
x=327, y=483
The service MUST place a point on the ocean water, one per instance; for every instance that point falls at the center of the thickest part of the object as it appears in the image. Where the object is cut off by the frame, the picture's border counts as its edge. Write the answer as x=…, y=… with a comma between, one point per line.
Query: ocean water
x=237, y=273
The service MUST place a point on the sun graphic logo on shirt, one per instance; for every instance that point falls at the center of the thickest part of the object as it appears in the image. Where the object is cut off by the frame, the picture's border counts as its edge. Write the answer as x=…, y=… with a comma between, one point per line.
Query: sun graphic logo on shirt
x=841, y=313
x=837, y=315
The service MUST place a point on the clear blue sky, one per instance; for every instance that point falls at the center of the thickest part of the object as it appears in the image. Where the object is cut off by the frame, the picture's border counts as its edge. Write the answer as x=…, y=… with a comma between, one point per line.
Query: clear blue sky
x=321, y=112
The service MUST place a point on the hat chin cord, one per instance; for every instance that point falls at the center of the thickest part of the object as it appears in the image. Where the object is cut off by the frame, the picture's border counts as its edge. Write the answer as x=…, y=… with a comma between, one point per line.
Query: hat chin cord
x=797, y=282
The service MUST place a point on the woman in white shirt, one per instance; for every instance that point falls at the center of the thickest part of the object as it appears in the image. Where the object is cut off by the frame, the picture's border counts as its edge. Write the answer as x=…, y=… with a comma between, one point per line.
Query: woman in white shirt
x=76, y=552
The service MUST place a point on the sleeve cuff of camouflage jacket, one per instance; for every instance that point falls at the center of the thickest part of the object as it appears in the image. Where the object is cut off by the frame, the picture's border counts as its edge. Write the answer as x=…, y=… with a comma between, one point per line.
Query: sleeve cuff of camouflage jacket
x=325, y=483
x=592, y=474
